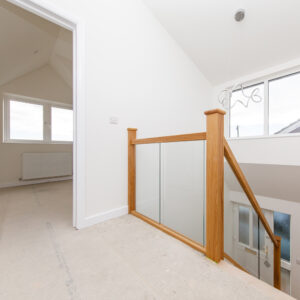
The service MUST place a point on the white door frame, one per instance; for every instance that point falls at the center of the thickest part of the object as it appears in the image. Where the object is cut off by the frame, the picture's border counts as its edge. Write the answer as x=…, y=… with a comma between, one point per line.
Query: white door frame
x=54, y=14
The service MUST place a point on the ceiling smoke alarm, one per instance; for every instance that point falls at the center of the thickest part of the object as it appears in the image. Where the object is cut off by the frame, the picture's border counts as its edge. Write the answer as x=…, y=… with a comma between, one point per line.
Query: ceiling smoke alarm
x=239, y=15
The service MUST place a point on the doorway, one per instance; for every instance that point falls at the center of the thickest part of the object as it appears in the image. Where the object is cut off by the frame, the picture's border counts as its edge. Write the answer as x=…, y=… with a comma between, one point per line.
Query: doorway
x=61, y=31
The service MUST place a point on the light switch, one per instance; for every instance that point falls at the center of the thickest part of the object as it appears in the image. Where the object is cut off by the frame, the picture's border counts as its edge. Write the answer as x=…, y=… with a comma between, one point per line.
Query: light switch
x=114, y=120
x=298, y=261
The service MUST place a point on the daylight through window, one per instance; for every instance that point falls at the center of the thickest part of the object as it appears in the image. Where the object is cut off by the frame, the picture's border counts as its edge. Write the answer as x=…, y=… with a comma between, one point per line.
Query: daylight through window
x=36, y=121
x=277, y=113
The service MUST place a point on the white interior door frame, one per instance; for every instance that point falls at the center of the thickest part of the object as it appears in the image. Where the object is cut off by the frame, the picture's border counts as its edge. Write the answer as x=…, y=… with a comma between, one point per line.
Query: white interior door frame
x=48, y=11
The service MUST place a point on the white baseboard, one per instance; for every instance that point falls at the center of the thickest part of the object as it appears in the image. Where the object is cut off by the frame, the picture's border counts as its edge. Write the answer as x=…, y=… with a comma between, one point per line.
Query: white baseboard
x=29, y=182
x=98, y=218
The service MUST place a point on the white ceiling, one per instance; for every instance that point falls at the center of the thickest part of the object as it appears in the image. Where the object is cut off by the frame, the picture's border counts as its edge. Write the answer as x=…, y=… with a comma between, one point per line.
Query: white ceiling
x=27, y=42
x=224, y=49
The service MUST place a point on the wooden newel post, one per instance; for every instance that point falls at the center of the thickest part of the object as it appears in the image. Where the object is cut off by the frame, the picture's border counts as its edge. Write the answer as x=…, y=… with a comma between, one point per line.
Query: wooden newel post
x=131, y=169
x=215, y=184
x=277, y=264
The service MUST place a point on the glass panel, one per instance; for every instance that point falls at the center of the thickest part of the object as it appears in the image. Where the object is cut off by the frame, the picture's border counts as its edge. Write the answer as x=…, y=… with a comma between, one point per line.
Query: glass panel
x=247, y=121
x=183, y=188
x=238, y=224
x=258, y=230
x=244, y=224
x=26, y=121
x=282, y=223
x=61, y=124
x=284, y=105
x=148, y=180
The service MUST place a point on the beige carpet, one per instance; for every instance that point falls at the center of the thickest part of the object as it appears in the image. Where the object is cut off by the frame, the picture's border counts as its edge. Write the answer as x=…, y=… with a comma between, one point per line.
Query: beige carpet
x=43, y=257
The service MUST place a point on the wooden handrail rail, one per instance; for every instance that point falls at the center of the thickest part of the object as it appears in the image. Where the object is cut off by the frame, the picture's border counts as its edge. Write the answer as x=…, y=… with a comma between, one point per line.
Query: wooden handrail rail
x=171, y=138
x=247, y=189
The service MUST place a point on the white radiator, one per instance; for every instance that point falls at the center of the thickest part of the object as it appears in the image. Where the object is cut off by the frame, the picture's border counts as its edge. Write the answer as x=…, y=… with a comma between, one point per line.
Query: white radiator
x=46, y=165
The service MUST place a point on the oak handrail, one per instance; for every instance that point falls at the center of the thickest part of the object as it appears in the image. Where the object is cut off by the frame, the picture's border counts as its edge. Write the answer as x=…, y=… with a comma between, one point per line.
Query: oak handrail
x=247, y=189
x=171, y=138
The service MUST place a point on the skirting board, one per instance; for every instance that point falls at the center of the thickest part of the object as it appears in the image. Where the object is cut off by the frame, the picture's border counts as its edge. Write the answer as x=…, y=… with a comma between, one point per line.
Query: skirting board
x=29, y=182
x=98, y=218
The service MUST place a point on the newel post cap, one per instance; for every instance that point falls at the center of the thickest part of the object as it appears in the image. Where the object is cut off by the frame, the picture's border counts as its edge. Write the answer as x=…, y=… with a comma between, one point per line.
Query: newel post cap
x=215, y=111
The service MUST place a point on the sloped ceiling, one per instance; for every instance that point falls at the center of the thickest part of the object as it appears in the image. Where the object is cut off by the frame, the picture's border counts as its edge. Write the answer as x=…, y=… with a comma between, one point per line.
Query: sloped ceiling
x=274, y=181
x=224, y=49
x=27, y=42
x=61, y=58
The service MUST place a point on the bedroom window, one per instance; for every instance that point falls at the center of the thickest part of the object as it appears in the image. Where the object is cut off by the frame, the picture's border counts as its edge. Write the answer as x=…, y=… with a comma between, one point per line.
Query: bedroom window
x=25, y=121
x=61, y=124
x=274, y=110
x=28, y=120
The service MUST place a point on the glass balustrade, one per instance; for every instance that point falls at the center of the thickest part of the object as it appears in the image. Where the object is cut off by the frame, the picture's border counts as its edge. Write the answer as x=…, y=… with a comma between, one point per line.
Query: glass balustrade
x=170, y=186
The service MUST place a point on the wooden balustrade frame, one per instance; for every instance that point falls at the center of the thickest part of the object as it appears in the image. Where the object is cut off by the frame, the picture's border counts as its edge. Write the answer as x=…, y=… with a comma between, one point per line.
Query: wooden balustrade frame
x=215, y=184
x=216, y=148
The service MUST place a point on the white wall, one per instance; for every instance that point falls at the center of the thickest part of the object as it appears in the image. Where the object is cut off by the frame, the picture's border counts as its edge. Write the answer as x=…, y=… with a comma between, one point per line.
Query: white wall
x=43, y=83
x=136, y=72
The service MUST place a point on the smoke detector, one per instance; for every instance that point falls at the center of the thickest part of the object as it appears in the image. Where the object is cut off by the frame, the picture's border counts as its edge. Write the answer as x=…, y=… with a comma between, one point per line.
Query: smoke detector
x=239, y=15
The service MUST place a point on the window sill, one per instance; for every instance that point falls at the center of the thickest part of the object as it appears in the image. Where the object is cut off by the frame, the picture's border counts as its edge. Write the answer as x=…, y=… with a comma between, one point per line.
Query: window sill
x=263, y=137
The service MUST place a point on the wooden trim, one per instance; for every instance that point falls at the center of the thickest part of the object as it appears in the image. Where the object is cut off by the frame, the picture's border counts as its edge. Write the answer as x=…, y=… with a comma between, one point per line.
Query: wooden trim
x=215, y=111
x=215, y=185
x=131, y=169
x=172, y=138
x=277, y=264
x=248, y=191
x=167, y=230
x=232, y=261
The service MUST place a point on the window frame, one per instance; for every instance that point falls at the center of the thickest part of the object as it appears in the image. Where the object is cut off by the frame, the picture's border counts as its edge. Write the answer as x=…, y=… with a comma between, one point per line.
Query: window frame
x=47, y=104
x=265, y=80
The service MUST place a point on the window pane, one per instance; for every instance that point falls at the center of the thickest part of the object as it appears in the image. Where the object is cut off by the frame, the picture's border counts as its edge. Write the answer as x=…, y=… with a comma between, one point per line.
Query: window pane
x=282, y=224
x=284, y=105
x=255, y=232
x=26, y=121
x=244, y=225
x=61, y=124
x=247, y=121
